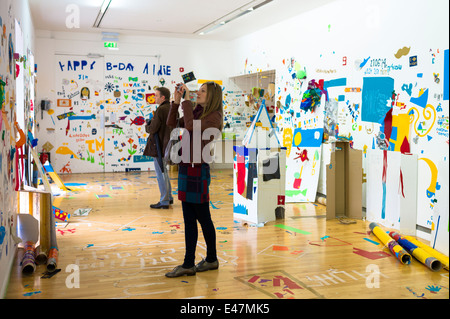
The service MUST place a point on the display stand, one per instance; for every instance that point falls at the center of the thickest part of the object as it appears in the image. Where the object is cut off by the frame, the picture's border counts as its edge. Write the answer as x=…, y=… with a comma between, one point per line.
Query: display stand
x=259, y=173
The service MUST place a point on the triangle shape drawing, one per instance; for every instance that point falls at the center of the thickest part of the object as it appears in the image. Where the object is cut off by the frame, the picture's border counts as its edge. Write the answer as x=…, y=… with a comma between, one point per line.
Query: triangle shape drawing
x=261, y=133
x=422, y=100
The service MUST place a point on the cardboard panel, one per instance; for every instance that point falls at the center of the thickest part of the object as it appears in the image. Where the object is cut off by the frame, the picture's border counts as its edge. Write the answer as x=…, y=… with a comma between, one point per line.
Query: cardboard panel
x=344, y=182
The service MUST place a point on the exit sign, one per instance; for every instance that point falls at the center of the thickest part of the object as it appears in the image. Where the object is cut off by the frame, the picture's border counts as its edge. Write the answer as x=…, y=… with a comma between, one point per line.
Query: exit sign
x=110, y=45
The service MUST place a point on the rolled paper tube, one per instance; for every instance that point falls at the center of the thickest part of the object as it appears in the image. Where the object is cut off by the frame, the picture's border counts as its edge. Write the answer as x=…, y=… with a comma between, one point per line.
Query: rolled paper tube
x=433, y=252
x=401, y=254
x=29, y=258
x=41, y=258
x=52, y=259
x=419, y=253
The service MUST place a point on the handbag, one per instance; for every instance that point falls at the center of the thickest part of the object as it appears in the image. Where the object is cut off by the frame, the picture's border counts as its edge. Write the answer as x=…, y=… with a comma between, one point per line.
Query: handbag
x=169, y=152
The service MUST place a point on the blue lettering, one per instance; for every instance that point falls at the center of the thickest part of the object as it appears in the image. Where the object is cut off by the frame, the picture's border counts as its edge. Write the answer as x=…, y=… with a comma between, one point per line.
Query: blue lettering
x=145, y=69
x=75, y=65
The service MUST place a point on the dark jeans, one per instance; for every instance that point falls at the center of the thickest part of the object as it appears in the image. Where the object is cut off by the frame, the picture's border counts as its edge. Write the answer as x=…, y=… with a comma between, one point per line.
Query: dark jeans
x=192, y=213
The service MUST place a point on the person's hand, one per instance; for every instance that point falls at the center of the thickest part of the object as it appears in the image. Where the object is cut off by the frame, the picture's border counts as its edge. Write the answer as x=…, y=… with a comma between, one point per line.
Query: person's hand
x=181, y=90
x=178, y=93
x=186, y=92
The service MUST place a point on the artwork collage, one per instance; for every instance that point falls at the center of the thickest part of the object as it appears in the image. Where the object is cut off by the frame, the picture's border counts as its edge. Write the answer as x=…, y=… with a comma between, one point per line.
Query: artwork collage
x=392, y=105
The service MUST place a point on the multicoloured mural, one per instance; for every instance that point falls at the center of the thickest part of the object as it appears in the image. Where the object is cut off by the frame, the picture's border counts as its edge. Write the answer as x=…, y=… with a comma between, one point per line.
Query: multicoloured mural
x=96, y=121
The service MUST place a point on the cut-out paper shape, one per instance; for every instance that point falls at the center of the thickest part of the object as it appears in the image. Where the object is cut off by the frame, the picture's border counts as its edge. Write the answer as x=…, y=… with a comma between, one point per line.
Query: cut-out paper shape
x=60, y=215
x=307, y=138
x=55, y=178
x=371, y=241
x=280, y=248
x=64, y=103
x=140, y=120
x=64, y=150
x=279, y=284
x=188, y=77
x=373, y=255
x=413, y=60
x=329, y=242
x=150, y=98
x=431, y=190
x=364, y=62
x=402, y=52
x=376, y=92
x=421, y=100
x=303, y=232
x=103, y=196
x=82, y=212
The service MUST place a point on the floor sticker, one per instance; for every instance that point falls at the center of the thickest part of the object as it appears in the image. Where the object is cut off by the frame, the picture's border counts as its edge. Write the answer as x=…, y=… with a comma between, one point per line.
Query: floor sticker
x=279, y=285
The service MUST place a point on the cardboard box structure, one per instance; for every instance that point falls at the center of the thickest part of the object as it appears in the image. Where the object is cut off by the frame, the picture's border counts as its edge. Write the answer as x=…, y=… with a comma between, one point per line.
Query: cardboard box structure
x=344, y=182
x=259, y=170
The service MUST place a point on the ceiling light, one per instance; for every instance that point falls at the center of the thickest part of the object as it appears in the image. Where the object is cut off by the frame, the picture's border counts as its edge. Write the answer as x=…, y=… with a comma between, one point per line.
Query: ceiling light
x=101, y=13
x=230, y=17
x=105, y=5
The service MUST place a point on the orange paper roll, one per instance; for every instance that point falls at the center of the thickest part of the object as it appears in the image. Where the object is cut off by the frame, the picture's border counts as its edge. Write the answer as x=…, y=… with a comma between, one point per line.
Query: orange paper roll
x=29, y=258
x=52, y=259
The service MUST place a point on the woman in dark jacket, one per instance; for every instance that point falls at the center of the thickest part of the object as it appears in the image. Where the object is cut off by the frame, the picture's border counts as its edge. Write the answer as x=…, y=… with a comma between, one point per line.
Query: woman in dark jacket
x=194, y=172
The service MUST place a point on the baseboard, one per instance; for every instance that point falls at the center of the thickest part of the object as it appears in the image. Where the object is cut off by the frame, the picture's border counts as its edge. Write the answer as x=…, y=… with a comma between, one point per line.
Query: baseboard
x=4, y=286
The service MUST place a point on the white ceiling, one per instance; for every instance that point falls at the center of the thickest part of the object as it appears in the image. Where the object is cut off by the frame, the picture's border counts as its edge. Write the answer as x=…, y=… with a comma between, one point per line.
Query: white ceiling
x=169, y=18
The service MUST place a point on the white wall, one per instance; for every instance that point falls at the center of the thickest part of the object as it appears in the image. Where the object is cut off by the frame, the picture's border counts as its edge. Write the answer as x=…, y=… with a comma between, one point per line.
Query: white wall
x=9, y=12
x=207, y=59
x=332, y=41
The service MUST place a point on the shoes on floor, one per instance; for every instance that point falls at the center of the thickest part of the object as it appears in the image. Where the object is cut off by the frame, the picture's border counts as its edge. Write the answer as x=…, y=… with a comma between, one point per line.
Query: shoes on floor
x=179, y=271
x=171, y=202
x=159, y=206
x=204, y=265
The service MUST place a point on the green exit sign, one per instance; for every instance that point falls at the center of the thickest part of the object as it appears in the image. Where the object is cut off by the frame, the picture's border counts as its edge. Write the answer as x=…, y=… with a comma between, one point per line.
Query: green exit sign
x=110, y=44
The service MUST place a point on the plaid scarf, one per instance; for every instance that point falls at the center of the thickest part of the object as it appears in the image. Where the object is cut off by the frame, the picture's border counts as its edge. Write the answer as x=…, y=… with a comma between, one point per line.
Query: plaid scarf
x=193, y=183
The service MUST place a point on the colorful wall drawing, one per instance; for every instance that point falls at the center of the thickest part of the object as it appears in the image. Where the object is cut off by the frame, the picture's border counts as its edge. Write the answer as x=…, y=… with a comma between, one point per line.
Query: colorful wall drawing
x=299, y=117
x=97, y=117
x=17, y=122
x=73, y=125
x=391, y=97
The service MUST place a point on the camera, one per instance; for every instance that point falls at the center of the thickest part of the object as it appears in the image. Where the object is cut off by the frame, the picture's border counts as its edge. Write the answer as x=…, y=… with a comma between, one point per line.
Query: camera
x=179, y=88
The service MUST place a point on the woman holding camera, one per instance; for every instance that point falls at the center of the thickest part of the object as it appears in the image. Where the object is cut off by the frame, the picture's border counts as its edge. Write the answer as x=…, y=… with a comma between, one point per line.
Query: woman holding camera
x=194, y=173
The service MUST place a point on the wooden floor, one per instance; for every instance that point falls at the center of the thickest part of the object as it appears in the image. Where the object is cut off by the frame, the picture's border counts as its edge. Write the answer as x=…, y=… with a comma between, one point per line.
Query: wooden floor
x=123, y=249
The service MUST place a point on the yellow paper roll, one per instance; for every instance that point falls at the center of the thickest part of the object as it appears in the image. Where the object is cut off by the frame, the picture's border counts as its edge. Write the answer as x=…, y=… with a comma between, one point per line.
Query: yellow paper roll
x=439, y=256
x=420, y=254
x=393, y=246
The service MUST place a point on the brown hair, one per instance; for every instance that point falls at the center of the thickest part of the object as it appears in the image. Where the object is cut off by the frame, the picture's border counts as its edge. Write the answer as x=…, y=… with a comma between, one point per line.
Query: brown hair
x=213, y=98
x=164, y=92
